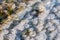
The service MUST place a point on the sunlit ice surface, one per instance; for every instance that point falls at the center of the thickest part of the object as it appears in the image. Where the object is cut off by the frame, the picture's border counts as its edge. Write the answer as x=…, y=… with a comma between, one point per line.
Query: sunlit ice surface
x=29, y=19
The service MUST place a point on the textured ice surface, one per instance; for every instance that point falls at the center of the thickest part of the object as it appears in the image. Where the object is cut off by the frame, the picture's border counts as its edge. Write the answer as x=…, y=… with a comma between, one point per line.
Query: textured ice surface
x=34, y=25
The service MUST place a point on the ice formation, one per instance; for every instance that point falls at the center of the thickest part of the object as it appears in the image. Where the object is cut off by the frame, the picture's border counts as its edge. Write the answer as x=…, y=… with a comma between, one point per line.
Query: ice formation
x=34, y=20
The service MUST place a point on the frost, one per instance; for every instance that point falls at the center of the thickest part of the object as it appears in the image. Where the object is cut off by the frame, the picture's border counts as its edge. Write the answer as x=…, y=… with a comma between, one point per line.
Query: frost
x=34, y=20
